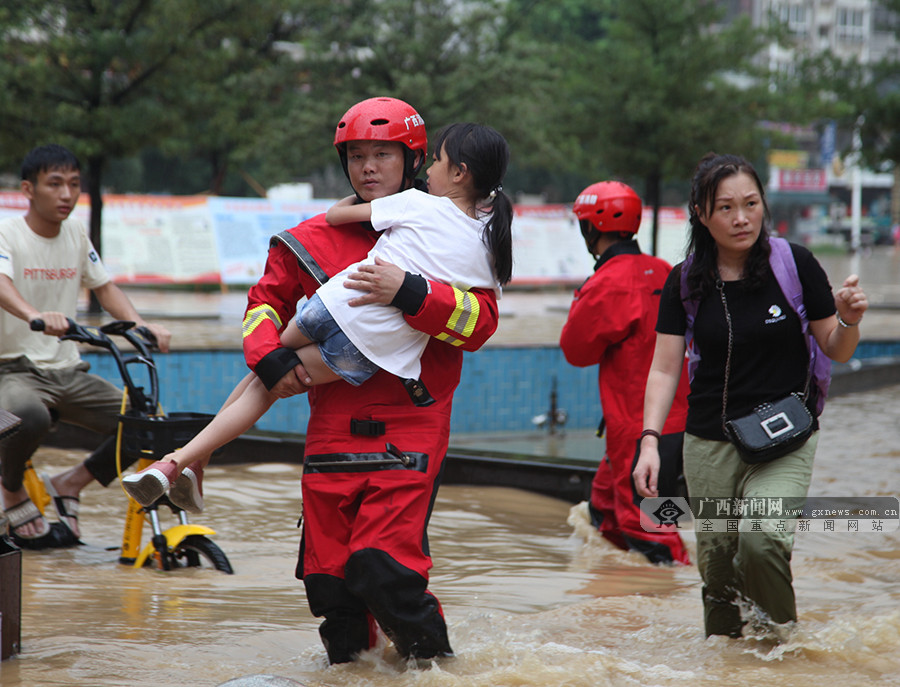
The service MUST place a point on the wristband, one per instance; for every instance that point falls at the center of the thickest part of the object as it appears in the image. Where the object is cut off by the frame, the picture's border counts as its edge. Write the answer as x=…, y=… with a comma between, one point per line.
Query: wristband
x=847, y=325
x=411, y=294
x=650, y=433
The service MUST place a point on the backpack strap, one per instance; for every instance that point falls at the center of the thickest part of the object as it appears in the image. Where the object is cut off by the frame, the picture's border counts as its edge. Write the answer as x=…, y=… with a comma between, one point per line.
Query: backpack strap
x=307, y=262
x=781, y=260
x=690, y=310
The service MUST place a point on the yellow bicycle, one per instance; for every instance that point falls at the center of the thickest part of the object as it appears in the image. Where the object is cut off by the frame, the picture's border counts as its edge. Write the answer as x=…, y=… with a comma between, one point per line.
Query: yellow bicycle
x=145, y=434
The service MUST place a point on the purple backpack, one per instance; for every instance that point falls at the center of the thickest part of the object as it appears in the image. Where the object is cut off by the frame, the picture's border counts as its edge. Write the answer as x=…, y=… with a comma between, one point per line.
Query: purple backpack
x=781, y=260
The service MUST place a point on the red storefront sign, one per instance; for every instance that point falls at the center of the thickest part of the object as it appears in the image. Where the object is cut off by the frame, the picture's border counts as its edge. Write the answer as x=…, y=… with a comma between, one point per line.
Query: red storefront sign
x=803, y=180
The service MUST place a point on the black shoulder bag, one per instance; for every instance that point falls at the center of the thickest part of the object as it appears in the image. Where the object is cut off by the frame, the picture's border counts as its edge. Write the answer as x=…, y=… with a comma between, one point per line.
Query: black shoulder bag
x=772, y=429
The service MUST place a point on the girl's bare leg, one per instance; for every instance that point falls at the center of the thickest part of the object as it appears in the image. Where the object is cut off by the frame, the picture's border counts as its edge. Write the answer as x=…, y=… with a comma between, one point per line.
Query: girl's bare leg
x=237, y=391
x=238, y=414
x=232, y=397
x=316, y=368
x=248, y=402
x=292, y=337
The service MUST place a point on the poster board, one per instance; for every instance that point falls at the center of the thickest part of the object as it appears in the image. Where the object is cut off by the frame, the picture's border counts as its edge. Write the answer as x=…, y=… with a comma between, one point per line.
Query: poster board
x=150, y=239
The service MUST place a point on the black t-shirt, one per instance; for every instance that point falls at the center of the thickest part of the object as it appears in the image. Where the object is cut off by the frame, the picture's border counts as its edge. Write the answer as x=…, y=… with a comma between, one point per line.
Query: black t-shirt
x=769, y=357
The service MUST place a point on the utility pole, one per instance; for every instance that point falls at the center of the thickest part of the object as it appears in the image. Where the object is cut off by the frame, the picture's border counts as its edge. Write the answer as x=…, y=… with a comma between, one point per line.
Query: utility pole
x=856, y=188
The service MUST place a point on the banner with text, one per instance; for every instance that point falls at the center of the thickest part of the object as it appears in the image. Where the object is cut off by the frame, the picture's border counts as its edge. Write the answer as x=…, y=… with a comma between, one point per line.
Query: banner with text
x=149, y=239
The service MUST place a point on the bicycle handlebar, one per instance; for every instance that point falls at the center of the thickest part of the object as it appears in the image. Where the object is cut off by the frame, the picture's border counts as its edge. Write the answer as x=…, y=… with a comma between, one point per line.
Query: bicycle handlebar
x=125, y=328
x=141, y=338
x=38, y=325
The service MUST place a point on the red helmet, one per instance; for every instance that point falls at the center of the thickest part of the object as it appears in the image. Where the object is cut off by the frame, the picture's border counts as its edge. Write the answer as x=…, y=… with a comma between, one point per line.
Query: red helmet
x=382, y=119
x=607, y=206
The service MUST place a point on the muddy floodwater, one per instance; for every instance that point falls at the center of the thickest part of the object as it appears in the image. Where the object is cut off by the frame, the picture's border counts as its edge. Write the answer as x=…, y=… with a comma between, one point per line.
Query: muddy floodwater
x=531, y=595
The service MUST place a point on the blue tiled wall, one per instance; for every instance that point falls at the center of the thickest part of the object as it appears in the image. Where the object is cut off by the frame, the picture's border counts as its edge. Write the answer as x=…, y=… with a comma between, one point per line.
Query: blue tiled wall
x=501, y=389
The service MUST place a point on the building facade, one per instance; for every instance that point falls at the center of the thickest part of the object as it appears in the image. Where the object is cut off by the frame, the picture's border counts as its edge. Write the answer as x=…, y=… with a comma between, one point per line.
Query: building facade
x=860, y=29
x=811, y=186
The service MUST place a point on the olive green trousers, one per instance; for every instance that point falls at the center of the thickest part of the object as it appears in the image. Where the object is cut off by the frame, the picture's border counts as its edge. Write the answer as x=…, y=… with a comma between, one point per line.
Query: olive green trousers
x=741, y=565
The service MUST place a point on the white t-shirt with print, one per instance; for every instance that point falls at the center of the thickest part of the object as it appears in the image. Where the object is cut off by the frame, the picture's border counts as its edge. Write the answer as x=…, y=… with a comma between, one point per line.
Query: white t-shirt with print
x=49, y=273
x=423, y=234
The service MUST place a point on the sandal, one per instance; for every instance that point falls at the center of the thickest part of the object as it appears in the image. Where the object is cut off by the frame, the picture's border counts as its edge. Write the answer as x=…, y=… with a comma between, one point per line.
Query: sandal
x=67, y=507
x=55, y=536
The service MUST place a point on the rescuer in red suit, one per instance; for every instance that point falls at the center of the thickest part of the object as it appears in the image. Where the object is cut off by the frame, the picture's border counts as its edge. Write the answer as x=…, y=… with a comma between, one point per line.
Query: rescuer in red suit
x=374, y=458
x=612, y=324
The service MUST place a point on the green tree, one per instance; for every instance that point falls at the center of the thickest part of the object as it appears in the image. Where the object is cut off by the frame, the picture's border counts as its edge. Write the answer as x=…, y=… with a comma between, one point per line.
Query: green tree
x=451, y=59
x=108, y=78
x=880, y=131
x=570, y=35
x=881, y=127
x=672, y=85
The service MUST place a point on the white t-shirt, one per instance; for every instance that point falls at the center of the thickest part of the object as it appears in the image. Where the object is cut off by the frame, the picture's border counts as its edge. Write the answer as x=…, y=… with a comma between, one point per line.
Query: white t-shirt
x=425, y=235
x=49, y=273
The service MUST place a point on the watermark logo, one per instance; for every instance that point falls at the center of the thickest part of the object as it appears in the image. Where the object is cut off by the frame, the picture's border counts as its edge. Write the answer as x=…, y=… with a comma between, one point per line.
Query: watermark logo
x=852, y=514
x=668, y=513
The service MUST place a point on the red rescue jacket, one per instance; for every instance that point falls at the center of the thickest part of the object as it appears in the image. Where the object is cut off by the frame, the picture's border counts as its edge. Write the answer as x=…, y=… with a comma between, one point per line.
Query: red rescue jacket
x=612, y=322
x=456, y=320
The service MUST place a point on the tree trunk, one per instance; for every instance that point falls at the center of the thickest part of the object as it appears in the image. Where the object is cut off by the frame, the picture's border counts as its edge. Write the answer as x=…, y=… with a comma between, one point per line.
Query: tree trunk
x=219, y=164
x=654, y=193
x=95, y=174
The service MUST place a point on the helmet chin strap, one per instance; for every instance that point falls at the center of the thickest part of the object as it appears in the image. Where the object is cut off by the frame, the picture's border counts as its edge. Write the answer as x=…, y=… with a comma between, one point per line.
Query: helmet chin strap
x=605, y=239
x=411, y=167
x=591, y=242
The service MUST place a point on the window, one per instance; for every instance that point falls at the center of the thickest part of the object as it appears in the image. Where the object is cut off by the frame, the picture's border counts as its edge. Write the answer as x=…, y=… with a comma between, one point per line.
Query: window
x=850, y=27
x=792, y=15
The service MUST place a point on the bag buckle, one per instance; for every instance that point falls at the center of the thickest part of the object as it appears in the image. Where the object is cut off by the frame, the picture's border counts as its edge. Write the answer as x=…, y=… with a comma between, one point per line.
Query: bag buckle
x=777, y=425
x=417, y=392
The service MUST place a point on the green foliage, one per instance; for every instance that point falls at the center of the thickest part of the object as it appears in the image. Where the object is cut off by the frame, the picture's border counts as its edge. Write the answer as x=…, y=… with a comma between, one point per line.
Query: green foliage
x=665, y=85
x=452, y=60
x=672, y=91
x=198, y=96
x=109, y=78
x=881, y=127
x=101, y=77
x=826, y=86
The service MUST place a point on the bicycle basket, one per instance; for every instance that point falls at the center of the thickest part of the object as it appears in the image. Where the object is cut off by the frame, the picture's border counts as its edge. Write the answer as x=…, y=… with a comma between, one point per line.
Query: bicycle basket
x=154, y=437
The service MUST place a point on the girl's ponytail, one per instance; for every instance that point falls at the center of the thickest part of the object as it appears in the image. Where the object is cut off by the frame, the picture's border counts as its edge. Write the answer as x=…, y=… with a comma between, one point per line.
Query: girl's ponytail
x=498, y=234
x=485, y=153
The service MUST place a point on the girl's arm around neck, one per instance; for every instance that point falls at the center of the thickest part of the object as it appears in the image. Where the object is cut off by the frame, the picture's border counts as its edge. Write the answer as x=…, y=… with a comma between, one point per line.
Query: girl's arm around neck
x=348, y=210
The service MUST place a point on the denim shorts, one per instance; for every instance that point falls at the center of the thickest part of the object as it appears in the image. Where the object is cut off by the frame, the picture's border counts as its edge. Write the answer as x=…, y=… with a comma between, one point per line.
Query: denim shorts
x=338, y=352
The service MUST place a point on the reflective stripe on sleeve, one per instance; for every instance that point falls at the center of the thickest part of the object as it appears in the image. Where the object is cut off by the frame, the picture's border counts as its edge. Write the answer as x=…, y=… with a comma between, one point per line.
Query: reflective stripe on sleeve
x=444, y=336
x=256, y=316
x=463, y=319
